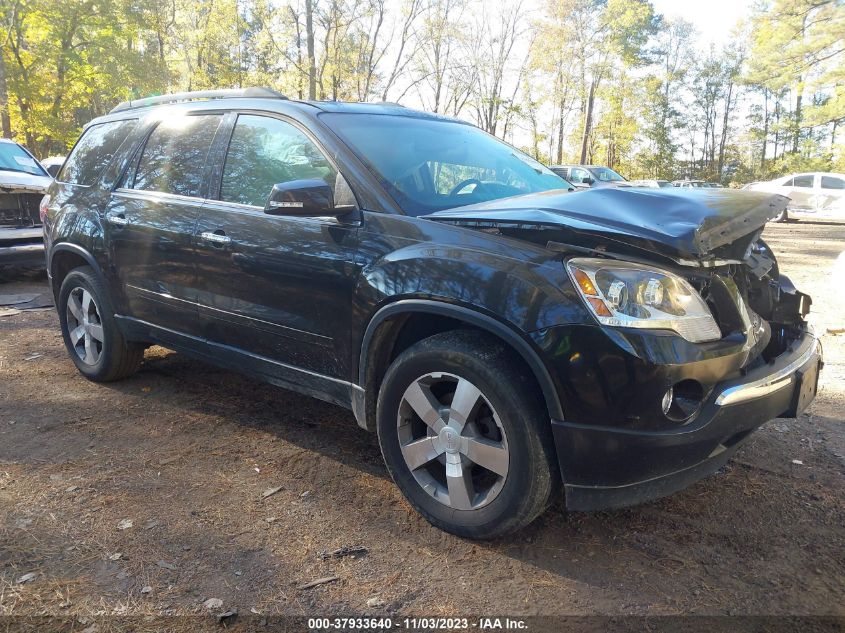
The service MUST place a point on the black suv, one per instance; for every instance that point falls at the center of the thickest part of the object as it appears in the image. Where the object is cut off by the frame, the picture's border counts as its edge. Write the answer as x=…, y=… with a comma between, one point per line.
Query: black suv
x=502, y=335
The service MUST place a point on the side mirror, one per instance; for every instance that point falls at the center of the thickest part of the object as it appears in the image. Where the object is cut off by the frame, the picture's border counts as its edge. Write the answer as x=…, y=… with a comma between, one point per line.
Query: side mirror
x=308, y=198
x=587, y=181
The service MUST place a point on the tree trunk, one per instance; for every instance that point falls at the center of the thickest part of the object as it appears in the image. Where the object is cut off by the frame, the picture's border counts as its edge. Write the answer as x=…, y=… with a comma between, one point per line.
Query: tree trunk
x=724, y=139
x=588, y=122
x=5, y=119
x=312, y=62
x=797, y=132
x=560, y=132
x=765, y=127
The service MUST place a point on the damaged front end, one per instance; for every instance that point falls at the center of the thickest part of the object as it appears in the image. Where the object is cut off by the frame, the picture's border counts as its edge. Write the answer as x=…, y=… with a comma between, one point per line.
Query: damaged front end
x=699, y=338
x=710, y=238
x=21, y=239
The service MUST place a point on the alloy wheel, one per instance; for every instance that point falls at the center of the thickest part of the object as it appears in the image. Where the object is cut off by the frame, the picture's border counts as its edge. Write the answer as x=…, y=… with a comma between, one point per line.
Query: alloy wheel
x=453, y=441
x=84, y=326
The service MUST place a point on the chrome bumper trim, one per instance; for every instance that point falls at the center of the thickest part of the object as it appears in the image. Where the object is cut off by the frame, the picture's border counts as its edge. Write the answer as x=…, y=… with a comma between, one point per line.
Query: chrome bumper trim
x=776, y=381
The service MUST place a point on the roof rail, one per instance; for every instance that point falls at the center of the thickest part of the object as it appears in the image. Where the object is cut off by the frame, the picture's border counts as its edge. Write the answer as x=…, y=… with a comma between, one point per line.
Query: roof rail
x=176, y=97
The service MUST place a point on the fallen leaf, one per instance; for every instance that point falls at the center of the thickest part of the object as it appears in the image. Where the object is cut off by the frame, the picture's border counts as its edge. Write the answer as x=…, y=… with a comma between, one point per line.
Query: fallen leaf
x=213, y=603
x=147, y=589
x=124, y=524
x=166, y=565
x=27, y=577
x=116, y=556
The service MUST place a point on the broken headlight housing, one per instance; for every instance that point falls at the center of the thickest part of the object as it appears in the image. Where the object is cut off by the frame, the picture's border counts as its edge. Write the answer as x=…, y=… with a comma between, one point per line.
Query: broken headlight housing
x=623, y=294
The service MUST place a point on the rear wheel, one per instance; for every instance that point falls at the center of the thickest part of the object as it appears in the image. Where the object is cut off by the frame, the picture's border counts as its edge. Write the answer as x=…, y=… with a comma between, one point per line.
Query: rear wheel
x=92, y=337
x=465, y=436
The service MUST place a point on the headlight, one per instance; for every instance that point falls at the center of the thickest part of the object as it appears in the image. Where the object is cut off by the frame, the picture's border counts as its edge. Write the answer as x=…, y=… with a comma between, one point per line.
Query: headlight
x=623, y=294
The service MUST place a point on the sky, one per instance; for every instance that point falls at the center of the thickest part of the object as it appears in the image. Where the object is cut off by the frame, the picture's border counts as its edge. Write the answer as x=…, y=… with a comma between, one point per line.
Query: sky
x=714, y=19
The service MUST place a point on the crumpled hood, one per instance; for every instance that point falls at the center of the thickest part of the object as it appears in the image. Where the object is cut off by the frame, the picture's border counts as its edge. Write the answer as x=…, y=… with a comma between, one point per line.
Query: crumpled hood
x=20, y=182
x=682, y=224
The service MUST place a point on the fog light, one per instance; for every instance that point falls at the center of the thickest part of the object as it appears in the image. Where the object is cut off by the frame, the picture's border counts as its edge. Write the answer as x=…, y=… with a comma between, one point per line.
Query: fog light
x=667, y=400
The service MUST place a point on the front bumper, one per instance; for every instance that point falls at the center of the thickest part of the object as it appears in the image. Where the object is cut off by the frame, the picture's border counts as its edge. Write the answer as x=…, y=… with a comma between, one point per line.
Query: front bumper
x=22, y=247
x=608, y=467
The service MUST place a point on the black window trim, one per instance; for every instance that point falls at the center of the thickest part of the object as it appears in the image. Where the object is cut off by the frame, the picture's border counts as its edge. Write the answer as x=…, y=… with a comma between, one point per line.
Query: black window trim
x=106, y=167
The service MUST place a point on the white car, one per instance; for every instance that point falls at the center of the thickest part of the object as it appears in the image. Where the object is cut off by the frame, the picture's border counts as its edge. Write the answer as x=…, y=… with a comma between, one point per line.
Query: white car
x=651, y=183
x=818, y=195
x=53, y=164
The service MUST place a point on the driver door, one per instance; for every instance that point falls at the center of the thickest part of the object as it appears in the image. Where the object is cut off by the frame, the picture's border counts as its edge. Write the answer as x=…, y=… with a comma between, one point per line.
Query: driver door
x=278, y=287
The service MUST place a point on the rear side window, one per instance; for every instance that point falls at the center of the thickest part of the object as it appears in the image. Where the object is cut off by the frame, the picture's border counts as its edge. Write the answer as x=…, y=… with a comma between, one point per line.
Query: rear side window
x=94, y=151
x=830, y=182
x=803, y=181
x=173, y=159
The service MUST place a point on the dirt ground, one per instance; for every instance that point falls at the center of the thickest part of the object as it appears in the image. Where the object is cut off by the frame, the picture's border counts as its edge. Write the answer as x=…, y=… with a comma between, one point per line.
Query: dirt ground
x=180, y=454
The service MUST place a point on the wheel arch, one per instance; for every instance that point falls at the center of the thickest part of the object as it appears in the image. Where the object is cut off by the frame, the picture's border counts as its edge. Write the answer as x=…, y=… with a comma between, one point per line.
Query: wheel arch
x=64, y=257
x=385, y=330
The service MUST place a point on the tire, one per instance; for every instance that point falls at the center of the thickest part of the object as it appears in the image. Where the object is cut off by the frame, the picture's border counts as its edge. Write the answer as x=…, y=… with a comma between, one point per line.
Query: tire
x=92, y=338
x=501, y=492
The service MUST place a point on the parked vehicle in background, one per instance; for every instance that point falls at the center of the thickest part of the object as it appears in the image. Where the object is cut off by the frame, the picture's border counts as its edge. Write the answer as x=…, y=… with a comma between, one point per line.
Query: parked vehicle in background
x=697, y=184
x=654, y=184
x=446, y=288
x=23, y=182
x=815, y=195
x=53, y=164
x=586, y=176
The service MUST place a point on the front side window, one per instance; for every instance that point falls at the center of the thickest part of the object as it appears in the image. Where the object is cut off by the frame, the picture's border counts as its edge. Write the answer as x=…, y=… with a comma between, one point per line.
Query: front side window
x=803, y=181
x=831, y=182
x=579, y=175
x=94, y=151
x=431, y=164
x=13, y=157
x=264, y=152
x=173, y=160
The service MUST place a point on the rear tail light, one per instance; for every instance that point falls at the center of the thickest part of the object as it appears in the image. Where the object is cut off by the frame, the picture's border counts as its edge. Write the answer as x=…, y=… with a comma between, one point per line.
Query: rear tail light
x=42, y=208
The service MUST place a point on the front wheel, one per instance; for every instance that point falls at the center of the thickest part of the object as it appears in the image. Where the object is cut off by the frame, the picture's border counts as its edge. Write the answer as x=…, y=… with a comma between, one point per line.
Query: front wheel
x=93, y=340
x=465, y=436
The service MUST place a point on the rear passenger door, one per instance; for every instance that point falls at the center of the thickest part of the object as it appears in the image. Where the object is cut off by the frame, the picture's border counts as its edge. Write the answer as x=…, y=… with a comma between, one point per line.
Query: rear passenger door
x=277, y=287
x=151, y=218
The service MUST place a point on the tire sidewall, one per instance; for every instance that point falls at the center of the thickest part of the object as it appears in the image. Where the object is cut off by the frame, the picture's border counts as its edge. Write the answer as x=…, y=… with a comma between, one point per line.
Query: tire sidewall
x=81, y=279
x=522, y=445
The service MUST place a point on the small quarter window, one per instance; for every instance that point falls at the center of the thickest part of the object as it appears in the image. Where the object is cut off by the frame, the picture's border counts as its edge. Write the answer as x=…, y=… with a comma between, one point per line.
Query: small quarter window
x=263, y=152
x=174, y=156
x=94, y=151
x=831, y=182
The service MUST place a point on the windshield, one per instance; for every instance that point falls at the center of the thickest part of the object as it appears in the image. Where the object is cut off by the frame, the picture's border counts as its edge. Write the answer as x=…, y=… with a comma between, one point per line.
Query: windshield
x=428, y=165
x=15, y=158
x=606, y=174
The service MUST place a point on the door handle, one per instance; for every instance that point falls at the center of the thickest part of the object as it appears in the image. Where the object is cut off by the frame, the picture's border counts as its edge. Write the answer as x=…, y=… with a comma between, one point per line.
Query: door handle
x=118, y=220
x=216, y=238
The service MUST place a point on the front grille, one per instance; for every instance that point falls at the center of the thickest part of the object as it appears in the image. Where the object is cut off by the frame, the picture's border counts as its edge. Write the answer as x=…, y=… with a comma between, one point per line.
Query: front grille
x=19, y=210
